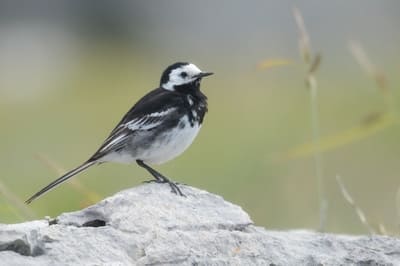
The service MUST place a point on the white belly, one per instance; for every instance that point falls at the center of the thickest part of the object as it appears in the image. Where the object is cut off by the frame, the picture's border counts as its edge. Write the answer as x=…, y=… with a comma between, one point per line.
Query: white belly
x=165, y=147
x=171, y=144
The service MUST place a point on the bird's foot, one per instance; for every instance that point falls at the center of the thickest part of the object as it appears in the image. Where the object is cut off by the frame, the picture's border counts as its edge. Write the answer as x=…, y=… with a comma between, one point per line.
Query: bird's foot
x=175, y=189
x=174, y=185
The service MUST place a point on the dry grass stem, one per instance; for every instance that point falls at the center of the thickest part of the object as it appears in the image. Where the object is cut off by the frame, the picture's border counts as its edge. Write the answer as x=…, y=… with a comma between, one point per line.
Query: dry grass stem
x=373, y=71
x=313, y=62
x=304, y=39
x=362, y=59
x=382, y=230
x=21, y=210
x=398, y=208
x=352, y=203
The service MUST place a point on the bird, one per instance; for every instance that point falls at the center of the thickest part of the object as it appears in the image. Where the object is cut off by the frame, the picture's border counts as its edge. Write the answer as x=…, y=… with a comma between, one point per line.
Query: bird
x=158, y=128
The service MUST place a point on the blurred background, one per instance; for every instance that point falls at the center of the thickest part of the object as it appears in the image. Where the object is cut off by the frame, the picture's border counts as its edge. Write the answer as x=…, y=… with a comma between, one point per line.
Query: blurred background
x=69, y=70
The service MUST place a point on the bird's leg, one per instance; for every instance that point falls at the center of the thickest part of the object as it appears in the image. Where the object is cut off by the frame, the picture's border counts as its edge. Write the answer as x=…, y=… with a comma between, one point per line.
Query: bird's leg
x=159, y=178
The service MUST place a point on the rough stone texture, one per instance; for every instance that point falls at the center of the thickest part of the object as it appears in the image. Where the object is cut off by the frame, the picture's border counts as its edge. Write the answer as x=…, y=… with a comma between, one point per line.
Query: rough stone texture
x=148, y=225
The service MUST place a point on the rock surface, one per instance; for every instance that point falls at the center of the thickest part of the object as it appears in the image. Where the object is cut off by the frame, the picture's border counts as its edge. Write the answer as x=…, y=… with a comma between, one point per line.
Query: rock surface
x=148, y=225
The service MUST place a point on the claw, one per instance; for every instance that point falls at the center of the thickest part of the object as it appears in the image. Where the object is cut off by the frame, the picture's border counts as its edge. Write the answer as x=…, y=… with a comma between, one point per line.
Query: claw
x=175, y=189
x=174, y=186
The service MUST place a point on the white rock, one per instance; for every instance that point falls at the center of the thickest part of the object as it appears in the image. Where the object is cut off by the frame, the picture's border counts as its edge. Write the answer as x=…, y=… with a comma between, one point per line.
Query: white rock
x=149, y=225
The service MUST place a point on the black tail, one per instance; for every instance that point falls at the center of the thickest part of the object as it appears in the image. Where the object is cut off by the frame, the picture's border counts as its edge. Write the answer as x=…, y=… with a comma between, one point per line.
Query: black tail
x=61, y=179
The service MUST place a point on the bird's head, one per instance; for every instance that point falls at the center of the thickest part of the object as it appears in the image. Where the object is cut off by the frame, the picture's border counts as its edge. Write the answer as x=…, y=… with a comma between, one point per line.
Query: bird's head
x=181, y=75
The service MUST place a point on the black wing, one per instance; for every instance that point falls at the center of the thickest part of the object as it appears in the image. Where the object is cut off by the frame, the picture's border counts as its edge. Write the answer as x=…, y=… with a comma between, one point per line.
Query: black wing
x=148, y=113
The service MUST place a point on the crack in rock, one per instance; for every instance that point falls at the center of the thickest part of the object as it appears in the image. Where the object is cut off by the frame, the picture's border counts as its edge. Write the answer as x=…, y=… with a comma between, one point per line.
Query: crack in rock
x=22, y=247
x=94, y=223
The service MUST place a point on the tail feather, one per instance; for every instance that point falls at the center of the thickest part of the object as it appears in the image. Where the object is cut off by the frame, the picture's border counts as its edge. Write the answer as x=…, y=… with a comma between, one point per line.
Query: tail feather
x=60, y=180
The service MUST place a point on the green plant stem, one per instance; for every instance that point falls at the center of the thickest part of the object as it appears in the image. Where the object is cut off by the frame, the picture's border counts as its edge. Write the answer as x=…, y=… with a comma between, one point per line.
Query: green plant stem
x=318, y=160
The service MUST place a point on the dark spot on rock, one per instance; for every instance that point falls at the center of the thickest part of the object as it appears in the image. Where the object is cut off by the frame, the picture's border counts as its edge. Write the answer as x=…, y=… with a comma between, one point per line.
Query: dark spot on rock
x=94, y=223
x=21, y=247
x=53, y=221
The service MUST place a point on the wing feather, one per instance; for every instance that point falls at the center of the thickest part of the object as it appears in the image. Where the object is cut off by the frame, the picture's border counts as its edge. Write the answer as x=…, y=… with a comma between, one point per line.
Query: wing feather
x=124, y=131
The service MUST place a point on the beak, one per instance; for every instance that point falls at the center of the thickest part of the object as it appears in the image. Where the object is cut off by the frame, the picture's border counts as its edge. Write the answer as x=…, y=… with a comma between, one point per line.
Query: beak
x=204, y=74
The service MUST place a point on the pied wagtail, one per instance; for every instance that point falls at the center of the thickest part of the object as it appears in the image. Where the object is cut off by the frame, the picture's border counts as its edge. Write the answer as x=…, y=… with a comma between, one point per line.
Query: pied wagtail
x=159, y=127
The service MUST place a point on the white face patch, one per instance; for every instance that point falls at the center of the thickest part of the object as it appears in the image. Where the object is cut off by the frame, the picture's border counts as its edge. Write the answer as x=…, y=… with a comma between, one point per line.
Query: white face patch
x=181, y=75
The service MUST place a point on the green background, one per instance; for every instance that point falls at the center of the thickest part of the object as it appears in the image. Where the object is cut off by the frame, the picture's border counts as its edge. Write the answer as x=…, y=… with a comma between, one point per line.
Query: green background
x=69, y=73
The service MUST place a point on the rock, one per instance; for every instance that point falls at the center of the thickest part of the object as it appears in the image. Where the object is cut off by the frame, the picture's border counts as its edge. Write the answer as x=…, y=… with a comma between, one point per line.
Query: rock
x=148, y=225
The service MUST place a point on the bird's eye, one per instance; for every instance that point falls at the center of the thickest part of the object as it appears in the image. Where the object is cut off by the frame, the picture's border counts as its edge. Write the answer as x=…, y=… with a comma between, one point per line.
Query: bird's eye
x=184, y=74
